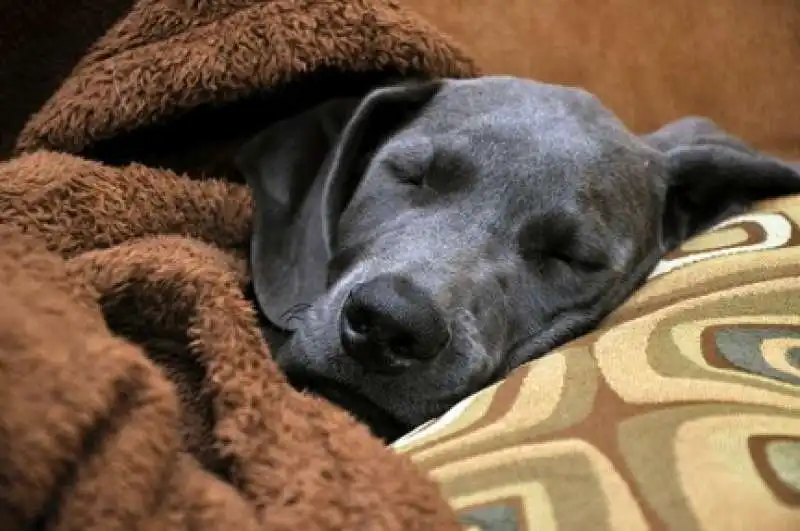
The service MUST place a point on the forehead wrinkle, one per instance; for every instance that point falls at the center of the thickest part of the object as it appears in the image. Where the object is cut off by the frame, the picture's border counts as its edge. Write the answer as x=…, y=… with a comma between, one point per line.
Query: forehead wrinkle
x=435, y=233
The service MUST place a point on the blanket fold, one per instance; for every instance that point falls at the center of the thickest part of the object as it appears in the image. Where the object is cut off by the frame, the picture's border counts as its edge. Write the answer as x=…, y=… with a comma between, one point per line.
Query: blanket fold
x=137, y=389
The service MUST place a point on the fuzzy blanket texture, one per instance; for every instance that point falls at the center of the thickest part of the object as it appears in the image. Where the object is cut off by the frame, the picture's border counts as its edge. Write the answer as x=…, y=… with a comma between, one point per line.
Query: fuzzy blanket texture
x=137, y=390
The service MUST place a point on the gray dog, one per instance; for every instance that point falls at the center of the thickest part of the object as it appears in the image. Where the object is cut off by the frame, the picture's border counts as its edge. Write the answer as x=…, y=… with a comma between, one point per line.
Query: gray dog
x=421, y=242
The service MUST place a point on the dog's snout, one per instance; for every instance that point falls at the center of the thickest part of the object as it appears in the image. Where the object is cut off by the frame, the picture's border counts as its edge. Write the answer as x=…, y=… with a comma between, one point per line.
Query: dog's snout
x=389, y=323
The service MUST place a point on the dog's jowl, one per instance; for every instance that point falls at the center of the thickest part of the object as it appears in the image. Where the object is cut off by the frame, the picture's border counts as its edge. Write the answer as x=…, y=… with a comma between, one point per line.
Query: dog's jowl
x=422, y=241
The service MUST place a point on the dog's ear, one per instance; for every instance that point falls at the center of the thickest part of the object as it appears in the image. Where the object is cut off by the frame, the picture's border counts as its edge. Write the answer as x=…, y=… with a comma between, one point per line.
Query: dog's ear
x=302, y=172
x=711, y=175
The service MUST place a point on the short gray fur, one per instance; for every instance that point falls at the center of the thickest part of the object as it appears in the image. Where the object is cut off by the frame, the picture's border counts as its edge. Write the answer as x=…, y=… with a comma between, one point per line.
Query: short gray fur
x=519, y=213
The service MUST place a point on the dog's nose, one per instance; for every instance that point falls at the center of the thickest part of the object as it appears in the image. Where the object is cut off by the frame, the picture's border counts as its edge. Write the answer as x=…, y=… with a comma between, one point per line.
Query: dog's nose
x=389, y=323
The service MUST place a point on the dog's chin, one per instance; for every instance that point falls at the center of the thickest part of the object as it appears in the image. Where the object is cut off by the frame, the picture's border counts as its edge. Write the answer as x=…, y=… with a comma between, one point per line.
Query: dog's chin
x=381, y=423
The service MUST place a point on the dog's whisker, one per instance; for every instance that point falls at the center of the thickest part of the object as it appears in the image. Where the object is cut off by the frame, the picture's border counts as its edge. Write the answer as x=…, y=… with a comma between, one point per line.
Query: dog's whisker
x=295, y=312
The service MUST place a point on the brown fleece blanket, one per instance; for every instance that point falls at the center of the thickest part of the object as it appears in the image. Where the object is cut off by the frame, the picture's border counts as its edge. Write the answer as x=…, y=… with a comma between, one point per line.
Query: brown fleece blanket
x=136, y=389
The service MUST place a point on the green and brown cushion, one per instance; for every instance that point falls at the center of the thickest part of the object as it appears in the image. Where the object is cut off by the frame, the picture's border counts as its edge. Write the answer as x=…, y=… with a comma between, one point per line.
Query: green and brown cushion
x=681, y=411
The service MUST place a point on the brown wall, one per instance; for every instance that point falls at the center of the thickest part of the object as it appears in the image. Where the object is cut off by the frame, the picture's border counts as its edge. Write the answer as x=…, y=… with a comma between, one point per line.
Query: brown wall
x=737, y=61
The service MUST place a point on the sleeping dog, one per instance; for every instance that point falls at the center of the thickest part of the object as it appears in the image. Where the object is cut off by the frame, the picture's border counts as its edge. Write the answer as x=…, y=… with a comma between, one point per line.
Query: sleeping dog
x=422, y=241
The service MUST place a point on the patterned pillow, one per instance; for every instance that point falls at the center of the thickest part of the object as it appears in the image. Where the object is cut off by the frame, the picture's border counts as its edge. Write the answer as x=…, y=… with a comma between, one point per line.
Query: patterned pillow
x=681, y=411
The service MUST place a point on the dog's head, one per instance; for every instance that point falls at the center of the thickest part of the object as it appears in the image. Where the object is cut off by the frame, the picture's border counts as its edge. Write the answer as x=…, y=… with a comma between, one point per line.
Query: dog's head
x=426, y=239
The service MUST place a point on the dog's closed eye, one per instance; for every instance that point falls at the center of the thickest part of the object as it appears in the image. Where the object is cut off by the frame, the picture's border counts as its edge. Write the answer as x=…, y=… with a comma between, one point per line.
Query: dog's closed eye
x=409, y=162
x=419, y=162
x=551, y=241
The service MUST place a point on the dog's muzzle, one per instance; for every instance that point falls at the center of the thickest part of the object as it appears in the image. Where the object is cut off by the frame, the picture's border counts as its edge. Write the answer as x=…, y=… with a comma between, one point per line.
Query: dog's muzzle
x=389, y=324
